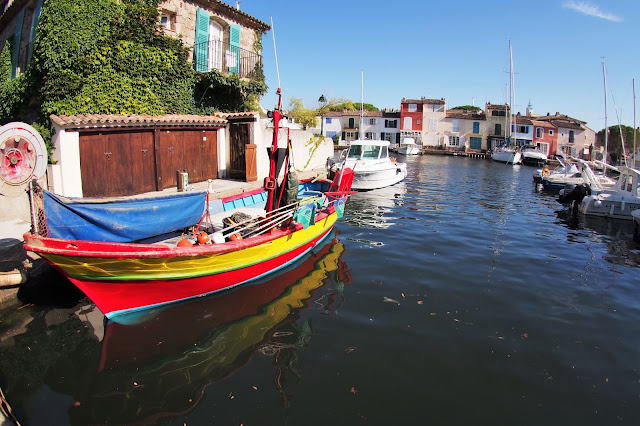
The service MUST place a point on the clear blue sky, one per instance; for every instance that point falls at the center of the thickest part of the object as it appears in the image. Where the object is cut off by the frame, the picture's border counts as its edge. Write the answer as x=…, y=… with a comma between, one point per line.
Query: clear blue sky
x=457, y=50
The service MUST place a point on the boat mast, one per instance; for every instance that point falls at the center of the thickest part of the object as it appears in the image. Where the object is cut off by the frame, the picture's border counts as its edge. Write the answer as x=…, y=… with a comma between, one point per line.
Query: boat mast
x=634, y=122
x=361, y=104
x=270, y=182
x=606, y=130
x=512, y=91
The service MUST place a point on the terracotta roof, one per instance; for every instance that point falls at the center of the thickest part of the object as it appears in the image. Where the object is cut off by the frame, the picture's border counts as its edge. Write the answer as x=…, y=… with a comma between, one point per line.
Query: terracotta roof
x=519, y=119
x=496, y=106
x=545, y=124
x=238, y=14
x=348, y=113
x=466, y=114
x=562, y=120
x=423, y=101
x=111, y=120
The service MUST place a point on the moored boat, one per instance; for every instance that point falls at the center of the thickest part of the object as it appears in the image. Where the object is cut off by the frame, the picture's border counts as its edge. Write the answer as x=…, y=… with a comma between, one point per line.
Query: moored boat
x=408, y=146
x=506, y=154
x=532, y=156
x=124, y=267
x=372, y=166
x=619, y=201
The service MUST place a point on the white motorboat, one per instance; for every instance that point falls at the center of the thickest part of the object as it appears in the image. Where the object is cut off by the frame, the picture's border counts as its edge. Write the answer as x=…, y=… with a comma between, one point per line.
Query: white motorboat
x=371, y=164
x=573, y=174
x=635, y=215
x=619, y=201
x=408, y=147
x=507, y=154
x=533, y=156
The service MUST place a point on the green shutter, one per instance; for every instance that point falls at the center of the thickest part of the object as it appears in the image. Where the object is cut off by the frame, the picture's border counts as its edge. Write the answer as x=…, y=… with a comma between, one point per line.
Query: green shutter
x=34, y=25
x=201, y=47
x=234, y=48
x=15, y=54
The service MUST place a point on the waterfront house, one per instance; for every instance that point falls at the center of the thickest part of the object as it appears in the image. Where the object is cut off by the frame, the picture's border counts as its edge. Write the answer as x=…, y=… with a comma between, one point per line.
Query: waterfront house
x=332, y=125
x=573, y=135
x=545, y=136
x=497, y=123
x=465, y=130
x=390, y=126
x=219, y=37
x=521, y=130
x=411, y=119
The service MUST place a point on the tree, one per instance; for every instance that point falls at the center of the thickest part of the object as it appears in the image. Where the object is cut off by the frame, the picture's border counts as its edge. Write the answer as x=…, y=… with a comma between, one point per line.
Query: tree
x=306, y=117
x=614, y=143
x=467, y=107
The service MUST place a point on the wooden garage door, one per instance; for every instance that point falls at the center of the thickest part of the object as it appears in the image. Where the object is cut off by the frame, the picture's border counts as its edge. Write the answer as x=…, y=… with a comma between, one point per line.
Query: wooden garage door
x=192, y=150
x=117, y=163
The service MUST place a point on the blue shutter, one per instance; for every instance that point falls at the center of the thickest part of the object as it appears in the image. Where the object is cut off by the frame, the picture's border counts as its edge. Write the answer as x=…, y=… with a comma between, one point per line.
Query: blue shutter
x=476, y=127
x=15, y=48
x=201, y=46
x=34, y=24
x=234, y=48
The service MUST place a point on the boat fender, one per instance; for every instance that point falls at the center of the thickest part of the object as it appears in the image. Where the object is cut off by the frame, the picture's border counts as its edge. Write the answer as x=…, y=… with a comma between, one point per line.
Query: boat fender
x=218, y=238
x=184, y=243
x=235, y=237
x=203, y=238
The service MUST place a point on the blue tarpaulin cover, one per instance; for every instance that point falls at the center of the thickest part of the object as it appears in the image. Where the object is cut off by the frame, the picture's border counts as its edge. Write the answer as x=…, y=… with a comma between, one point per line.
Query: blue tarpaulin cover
x=121, y=219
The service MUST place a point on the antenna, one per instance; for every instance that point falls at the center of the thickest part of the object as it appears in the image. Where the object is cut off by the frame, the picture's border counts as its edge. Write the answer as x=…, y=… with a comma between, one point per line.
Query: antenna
x=361, y=102
x=273, y=30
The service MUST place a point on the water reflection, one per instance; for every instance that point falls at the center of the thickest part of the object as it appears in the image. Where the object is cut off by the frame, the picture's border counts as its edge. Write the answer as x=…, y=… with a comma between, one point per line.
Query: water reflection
x=374, y=209
x=616, y=234
x=159, y=365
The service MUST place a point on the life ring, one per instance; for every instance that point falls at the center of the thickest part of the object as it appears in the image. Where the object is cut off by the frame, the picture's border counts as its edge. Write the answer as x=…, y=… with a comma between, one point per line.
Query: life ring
x=545, y=172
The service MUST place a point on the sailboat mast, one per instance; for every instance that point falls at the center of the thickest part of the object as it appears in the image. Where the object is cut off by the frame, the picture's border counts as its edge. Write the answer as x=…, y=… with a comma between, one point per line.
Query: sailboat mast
x=361, y=104
x=634, y=122
x=511, y=93
x=606, y=129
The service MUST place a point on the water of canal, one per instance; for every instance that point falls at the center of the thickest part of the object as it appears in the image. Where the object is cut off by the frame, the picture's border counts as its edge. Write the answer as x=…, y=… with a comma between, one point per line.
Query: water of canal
x=459, y=296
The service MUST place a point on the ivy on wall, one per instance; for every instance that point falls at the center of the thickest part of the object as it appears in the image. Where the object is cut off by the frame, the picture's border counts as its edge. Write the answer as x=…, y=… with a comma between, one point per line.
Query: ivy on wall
x=110, y=57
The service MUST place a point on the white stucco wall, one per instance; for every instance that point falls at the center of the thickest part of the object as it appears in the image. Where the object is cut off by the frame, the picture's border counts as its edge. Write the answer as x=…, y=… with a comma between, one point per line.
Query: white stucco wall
x=67, y=180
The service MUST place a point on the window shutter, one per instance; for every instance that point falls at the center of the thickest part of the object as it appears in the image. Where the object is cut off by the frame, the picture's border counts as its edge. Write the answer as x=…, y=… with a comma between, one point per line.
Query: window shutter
x=234, y=48
x=34, y=24
x=15, y=48
x=201, y=47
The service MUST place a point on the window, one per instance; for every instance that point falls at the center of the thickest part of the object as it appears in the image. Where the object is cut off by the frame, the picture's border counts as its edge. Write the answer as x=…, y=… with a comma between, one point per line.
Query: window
x=327, y=120
x=371, y=151
x=572, y=135
x=522, y=129
x=455, y=127
x=433, y=124
x=476, y=127
x=435, y=108
x=370, y=135
x=454, y=141
x=550, y=132
x=167, y=20
x=413, y=107
x=352, y=123
x=387, y=137
x=372, y=121
x=407, y=123
x=355, y=151
x=499, y=113
x=539, y=132
x=498, y=130
x=391, y=124
x=418, y=121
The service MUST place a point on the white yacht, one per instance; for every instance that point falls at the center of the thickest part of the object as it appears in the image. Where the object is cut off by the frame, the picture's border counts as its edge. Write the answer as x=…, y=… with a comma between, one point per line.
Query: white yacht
x=371, y=164
x=408, y=146
x=507, y=154
x=619, y=201
x=533, y=156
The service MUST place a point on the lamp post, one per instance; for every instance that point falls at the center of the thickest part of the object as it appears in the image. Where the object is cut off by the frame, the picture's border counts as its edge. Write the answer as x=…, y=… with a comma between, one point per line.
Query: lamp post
x=323, y=102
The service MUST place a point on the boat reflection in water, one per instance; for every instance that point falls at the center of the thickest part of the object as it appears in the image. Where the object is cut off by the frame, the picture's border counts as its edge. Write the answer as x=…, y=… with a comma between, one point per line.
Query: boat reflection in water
x=159, y=365
x=616, y=234
x=374, y=209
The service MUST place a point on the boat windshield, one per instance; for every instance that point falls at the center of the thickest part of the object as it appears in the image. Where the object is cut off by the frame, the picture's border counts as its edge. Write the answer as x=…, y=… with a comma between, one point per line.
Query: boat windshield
x=355, y=151
x=371, y=151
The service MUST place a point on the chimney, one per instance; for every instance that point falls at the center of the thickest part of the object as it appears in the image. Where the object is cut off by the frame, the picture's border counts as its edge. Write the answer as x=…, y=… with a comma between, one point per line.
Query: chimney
x=238, y=5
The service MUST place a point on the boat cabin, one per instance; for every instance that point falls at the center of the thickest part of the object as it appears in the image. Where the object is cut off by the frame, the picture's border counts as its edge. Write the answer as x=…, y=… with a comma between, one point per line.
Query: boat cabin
x=368, y=150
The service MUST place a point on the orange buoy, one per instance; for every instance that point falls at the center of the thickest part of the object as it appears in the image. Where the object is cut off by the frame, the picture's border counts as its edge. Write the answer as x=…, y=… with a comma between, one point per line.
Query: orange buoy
x=203, y=238
x=184, y=243
x=235, y=237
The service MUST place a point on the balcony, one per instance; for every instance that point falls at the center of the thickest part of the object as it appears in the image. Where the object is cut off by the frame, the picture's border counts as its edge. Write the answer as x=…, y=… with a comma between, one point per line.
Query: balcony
x=228, y=59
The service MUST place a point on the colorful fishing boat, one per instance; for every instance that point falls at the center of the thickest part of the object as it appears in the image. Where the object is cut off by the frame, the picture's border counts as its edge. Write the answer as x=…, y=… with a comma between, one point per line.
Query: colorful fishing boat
x=133, y=254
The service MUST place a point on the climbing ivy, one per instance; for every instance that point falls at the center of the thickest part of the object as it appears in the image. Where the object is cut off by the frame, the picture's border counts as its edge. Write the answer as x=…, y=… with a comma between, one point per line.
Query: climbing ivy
x=313, y=144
